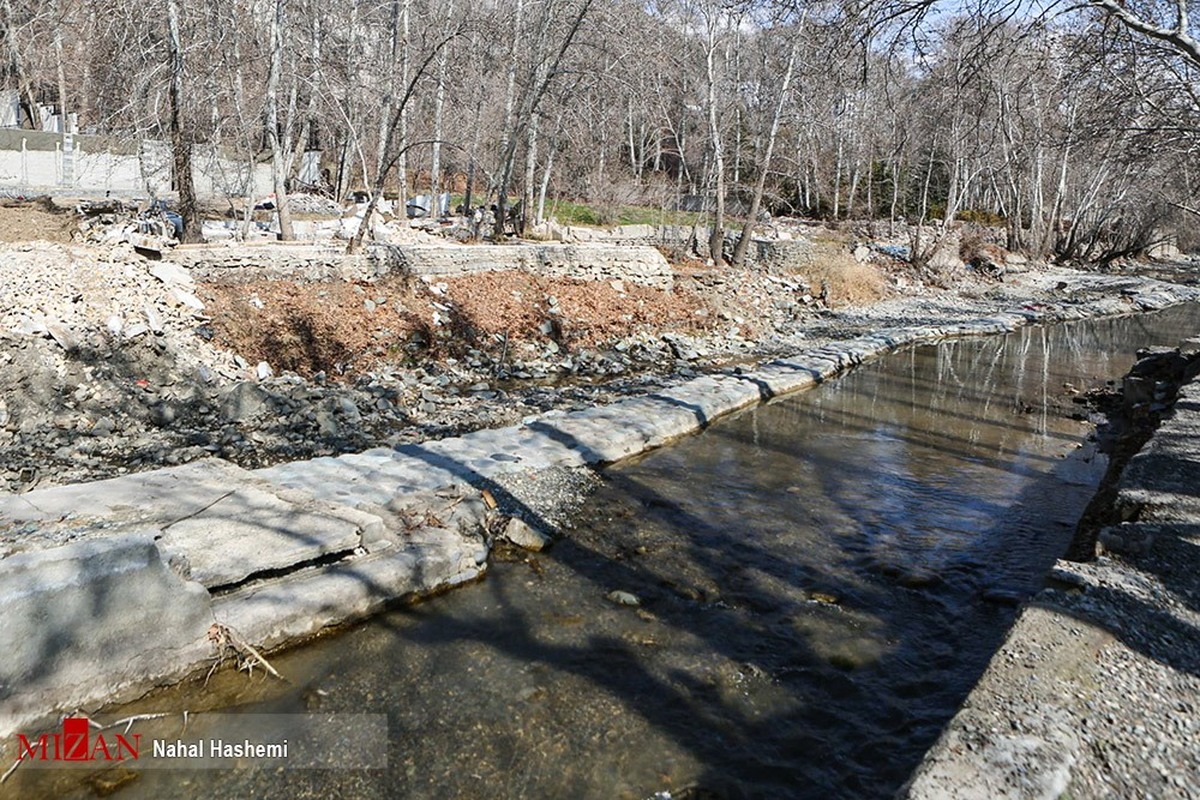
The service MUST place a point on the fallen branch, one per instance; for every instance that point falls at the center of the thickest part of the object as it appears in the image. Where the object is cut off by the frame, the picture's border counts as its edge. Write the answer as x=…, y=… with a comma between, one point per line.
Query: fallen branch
x=226, y=639
x=128, y=721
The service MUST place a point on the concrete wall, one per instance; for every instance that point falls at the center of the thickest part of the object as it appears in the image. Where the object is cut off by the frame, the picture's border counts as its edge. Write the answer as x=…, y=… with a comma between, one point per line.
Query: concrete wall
x=33, y=161
x=764, y=253
x=643, y=265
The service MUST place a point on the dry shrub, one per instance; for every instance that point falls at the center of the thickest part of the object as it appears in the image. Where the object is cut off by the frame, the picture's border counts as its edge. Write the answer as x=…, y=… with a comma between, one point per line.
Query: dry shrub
x=848, y=281
x=971, y=246
x=588, y=312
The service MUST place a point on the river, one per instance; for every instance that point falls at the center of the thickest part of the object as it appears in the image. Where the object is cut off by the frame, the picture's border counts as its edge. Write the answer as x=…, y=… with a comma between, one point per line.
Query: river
x=821, y=582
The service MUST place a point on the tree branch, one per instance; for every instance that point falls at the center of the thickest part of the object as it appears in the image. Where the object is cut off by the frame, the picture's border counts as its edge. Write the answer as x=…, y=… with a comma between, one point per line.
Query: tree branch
x=1178, y=37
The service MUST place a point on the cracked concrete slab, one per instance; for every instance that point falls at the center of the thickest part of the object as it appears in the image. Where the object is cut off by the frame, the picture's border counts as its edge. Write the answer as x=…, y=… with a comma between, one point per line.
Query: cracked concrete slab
x=85, y=621
x=215, y=523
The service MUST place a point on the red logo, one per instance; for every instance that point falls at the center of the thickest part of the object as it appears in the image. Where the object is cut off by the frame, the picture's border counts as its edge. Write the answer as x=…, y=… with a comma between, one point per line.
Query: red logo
x=76, y=743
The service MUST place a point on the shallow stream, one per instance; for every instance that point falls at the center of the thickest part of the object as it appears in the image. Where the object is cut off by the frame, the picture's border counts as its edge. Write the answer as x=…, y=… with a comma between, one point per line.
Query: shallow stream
x=821, y=581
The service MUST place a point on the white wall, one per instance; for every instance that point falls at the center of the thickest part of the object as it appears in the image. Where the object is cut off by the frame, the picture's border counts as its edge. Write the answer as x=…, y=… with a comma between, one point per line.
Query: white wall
x=23, y=167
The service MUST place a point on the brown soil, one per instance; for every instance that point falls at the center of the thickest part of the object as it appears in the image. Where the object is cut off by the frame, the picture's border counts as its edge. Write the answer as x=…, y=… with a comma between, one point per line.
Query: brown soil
x=40, y=219
x=588, y=311
x=342, y=328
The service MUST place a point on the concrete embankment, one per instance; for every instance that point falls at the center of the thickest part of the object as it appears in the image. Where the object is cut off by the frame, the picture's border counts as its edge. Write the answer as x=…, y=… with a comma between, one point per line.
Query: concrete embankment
x=1093, y=694
x=123, y=584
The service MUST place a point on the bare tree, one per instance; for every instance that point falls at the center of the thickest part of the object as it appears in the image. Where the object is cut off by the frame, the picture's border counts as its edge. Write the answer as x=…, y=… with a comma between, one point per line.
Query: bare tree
x=182, y=144
x=739, y=252
x=395, y=144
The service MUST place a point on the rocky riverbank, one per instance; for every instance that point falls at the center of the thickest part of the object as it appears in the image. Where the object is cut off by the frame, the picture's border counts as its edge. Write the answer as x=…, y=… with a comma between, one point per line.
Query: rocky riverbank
x=270, y=557
x=1093, y=694
x=114, y=364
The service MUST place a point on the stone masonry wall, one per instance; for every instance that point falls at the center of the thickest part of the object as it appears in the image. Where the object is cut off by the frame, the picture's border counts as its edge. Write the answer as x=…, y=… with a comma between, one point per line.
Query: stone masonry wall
x=641, y=265
x=771, y=254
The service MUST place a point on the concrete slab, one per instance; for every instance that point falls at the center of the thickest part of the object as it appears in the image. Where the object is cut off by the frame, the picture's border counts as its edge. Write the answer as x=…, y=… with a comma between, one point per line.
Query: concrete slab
x=87, y=620
x=215, y=523
x=164, y=494
x=301, y=605
x=249, y=531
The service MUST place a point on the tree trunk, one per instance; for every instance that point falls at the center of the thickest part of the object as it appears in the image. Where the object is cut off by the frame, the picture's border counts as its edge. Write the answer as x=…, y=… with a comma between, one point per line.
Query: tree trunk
x=439, y=102
x=716, y=237
x=181, y=140
x=739, y=252
x=278, y=161
x=60, y=70
x=541, y=203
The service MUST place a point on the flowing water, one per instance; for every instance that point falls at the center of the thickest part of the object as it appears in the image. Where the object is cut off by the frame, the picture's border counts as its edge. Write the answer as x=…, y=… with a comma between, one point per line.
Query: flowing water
x=822, y=580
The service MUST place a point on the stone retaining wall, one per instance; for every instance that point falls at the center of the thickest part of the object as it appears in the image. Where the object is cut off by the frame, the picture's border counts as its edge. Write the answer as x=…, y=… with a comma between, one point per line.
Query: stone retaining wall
x=782, y=254
x=635, y=264
x=295, y=262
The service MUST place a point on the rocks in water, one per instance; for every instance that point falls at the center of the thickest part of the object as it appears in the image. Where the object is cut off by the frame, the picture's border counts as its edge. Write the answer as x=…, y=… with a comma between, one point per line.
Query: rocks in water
x=522, y=534
x=623, y=598
x=1003, y=596
x=918, y=578
x=910, y=577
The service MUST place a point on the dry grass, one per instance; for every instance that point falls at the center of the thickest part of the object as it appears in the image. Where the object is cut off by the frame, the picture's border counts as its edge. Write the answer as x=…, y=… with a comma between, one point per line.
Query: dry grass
x=848, y=281
x=319, y=327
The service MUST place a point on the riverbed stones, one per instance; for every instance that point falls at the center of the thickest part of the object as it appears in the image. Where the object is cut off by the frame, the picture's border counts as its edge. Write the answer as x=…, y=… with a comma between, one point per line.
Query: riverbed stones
x=623, y=598
x=244, y=401
x=524, y=535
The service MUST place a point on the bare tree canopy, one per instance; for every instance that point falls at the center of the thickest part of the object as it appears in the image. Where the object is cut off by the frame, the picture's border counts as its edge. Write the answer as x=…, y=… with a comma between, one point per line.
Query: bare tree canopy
x=1065, y=123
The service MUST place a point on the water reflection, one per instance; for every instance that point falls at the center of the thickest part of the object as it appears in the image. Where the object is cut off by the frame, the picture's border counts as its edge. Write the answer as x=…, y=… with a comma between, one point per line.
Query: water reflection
x=822, y=580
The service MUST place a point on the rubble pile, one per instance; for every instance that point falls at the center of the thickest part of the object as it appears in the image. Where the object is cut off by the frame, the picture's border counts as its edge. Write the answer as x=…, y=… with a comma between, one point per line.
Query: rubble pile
x=110, y=362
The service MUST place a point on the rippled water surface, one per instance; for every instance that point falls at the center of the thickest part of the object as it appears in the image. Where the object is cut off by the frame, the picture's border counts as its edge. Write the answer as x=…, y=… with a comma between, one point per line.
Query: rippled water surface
x=821, y=581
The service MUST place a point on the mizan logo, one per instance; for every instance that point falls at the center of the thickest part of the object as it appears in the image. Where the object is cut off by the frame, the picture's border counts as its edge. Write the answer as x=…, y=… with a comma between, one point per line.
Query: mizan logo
x=76, y=743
